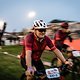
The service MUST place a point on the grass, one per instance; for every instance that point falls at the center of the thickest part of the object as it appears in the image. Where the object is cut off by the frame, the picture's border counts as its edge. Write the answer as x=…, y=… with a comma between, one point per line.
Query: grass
x=10, y=68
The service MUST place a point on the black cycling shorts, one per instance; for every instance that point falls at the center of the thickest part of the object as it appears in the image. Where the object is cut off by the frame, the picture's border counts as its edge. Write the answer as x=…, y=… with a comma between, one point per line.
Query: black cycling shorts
x=37, y=64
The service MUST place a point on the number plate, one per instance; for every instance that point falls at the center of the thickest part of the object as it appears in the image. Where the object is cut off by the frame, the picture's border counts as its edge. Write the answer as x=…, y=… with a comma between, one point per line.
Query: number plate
x=76, y=53
x=53, y=73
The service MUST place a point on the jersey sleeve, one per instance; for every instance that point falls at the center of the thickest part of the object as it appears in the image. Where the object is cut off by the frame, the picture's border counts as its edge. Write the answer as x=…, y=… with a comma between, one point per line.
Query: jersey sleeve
x=50, y=43
x=28, y=42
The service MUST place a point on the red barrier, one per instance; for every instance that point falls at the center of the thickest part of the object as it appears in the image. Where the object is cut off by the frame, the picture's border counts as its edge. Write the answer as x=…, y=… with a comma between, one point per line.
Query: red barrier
x=75, y=44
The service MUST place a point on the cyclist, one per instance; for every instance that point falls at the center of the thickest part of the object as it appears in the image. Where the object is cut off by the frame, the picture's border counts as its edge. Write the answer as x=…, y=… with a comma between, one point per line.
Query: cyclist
x=59, y=38
x=34, y=45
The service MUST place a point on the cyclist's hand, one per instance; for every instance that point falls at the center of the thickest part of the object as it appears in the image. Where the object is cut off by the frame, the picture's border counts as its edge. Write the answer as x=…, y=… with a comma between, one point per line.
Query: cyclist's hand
x=30, y=71
x=69, y=63
x=19, y=56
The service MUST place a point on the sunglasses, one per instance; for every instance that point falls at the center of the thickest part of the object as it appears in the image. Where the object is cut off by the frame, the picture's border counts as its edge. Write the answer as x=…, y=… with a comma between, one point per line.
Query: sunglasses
x=41, y=30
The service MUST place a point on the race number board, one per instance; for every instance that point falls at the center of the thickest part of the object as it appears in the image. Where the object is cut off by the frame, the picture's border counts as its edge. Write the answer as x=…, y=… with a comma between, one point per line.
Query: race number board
x=53, y=73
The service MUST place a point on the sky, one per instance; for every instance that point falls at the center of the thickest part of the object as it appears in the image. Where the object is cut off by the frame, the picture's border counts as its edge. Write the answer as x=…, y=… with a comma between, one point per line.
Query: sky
x=15, y=12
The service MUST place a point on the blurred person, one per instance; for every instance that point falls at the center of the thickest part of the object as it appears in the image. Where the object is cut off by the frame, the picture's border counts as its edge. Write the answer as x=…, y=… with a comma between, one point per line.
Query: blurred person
x=60, y=36
x=0, y=38
x=2, y=29
x=34, y=45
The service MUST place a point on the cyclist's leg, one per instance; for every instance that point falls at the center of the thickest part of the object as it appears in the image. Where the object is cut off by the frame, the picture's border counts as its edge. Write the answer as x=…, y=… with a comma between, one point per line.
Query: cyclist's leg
x=59, y=62
x=69, y=51
x=24, y=75
x=54, y=62
x=23, y=63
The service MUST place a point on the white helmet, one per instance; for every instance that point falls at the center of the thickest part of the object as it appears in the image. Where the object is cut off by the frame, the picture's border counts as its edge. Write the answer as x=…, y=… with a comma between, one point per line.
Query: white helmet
x=39, y=24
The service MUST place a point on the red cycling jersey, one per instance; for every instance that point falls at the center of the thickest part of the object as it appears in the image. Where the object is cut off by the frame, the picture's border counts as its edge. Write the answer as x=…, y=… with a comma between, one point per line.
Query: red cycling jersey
x=37, y=47
x=61, y=36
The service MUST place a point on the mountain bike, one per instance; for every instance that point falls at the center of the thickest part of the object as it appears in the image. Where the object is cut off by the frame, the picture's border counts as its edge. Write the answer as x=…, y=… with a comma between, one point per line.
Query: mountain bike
x=75, y=70
x=52, y=73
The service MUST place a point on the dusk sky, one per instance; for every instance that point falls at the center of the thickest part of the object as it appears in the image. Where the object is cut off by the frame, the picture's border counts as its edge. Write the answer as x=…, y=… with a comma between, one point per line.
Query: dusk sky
x=20, y=14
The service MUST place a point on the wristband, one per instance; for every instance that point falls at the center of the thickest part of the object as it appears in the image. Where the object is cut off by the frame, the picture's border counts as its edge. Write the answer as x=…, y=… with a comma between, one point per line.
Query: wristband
x=30, y=68
x=64, y=61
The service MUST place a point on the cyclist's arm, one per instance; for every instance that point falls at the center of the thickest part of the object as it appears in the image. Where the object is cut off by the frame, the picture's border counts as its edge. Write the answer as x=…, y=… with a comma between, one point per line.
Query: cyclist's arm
x=28, y=58
x=30, y=69
x=69, y=36
x=28, y=49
